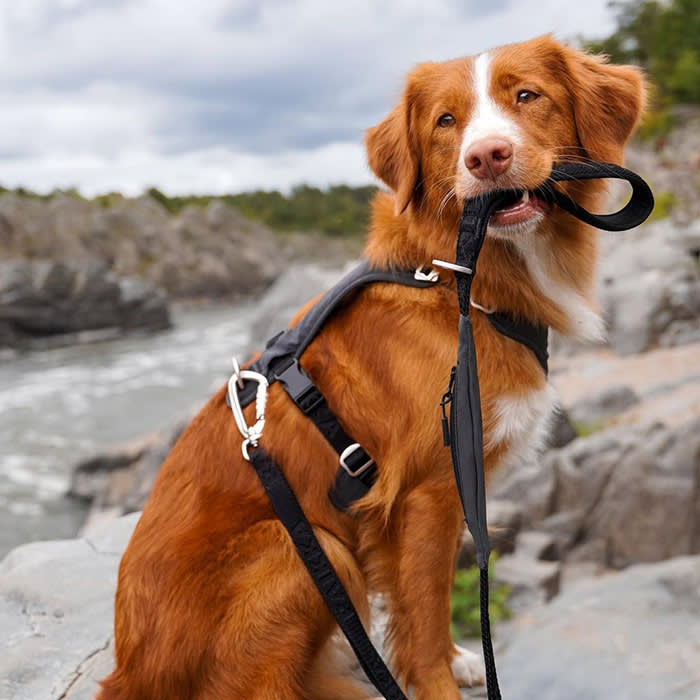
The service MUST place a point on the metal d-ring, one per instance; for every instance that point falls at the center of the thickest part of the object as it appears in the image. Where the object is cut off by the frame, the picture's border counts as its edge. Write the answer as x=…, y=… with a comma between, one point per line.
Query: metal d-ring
x=251, y=434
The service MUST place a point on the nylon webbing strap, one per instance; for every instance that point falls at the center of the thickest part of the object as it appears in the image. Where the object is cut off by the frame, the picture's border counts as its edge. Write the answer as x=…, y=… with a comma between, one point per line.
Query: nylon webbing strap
x=358, y=470
x=288, y=510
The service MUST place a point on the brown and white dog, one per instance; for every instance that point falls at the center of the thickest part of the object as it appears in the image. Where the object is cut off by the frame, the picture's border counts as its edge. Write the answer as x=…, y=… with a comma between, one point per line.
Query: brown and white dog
x=213, y=601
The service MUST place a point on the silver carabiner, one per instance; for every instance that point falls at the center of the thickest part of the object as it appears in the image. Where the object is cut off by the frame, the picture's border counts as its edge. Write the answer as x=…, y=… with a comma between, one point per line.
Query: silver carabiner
x=251, y=434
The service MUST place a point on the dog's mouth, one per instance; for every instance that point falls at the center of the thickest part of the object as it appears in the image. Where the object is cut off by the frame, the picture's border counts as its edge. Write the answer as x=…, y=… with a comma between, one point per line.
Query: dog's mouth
x=520, y=206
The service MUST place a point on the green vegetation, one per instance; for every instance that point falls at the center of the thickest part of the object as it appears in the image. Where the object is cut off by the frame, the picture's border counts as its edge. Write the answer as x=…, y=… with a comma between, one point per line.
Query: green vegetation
x=663, y=37
x=464, y=605
x=664, y=201
x=584, y=429
x=337, y=211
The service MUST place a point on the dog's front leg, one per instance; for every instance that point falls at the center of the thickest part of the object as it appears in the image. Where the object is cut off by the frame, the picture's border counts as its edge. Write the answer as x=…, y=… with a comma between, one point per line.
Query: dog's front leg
x=429, y=530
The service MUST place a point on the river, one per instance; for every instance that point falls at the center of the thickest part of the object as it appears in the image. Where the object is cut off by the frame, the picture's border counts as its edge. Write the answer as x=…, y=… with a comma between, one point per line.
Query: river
x=60, y=406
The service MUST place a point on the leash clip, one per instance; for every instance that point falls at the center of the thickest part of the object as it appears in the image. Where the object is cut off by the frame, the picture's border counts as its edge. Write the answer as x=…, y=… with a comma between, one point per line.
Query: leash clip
x=253, y=433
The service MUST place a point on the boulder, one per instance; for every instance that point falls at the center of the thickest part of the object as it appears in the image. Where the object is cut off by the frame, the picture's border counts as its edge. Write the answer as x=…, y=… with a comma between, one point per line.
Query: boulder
x=634, y=635
x=44, y=303
x=648, y=509
x=617, y=497
x=649, y=284
x=505, y=519
x=531, y=582
x=56, y=609
x=119, y=481
x=602, y=405
x=295, y=287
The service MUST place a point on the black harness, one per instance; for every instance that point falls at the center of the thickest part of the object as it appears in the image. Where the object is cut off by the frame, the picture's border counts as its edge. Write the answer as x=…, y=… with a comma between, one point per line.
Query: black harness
x=463, y=431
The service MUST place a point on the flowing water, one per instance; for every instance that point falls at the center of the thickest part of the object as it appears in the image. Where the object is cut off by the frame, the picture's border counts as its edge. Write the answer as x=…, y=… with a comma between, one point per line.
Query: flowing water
x=60, y=406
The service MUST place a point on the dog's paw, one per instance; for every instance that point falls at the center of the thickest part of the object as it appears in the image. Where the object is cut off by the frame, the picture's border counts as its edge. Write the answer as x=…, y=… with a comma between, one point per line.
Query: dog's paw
x=468, y=668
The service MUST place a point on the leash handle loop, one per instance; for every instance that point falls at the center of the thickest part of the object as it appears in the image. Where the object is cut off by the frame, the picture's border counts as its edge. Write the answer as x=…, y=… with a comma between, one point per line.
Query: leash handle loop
x=632, y=214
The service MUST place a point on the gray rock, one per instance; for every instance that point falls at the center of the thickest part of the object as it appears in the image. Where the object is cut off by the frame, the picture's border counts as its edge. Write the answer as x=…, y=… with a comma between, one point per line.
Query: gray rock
x=48, y=303
x=566, y=528
x=119, y=481
x=537, y=545
x=294, y=288
x=531, y=582
x=631, y=636
x=56, y=607
x=562, y=432
x=532, y=486
x=600, y=406
x=647, y=511
x=649, y=283
x=505, y=519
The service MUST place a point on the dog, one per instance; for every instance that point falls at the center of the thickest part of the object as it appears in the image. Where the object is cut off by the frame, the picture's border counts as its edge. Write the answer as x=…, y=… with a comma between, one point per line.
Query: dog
x=213, y=601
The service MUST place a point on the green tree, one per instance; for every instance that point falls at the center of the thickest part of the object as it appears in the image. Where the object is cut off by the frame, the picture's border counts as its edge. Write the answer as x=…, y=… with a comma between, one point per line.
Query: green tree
x=663, y=38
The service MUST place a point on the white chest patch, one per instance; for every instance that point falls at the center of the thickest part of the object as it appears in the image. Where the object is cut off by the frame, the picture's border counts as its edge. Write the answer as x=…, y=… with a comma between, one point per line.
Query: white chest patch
x=584, y=323
x=523, y=422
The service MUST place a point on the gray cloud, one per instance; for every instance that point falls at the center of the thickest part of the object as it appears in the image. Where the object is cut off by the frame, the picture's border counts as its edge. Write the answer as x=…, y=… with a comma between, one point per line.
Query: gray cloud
x=122, y=79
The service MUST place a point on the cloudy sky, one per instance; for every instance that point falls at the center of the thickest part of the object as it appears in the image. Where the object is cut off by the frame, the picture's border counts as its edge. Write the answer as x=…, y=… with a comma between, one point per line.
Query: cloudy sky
x=228, y=95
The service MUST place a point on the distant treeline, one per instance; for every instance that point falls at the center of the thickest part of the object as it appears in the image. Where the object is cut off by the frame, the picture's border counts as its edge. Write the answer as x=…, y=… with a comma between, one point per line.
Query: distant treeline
x=337, y=211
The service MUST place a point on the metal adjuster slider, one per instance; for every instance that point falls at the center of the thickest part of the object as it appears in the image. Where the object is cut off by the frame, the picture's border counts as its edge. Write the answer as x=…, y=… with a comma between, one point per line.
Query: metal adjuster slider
x=346, y=453
x=253, y=433
x=453, y=266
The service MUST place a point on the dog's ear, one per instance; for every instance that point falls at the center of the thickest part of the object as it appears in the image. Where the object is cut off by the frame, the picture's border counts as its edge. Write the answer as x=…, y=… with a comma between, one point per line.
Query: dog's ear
x=608, y=102
x=392, y=155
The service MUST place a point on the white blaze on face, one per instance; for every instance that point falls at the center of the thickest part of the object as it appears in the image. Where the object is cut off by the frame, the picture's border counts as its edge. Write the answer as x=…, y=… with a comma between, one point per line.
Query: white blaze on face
x=488, y=119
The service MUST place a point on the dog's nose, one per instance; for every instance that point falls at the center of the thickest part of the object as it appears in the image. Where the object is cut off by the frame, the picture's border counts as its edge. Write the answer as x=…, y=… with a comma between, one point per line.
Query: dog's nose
x=488, y=158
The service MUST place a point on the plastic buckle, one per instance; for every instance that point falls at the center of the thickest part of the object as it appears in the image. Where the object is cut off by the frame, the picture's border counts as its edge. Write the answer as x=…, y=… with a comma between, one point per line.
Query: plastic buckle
x=350, y=449
x=299, y=387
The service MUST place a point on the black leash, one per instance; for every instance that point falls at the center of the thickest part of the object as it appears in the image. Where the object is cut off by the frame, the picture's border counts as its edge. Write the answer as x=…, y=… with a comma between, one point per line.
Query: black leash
x=323, y=574
x=465, y=434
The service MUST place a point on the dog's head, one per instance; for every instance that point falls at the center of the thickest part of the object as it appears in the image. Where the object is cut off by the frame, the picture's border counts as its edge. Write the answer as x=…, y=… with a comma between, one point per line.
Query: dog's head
x=501, y=120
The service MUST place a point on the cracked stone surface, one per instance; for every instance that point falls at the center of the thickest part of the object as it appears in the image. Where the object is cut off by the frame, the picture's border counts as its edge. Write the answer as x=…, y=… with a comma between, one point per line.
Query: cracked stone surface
x=633, y=635
x=56, y=606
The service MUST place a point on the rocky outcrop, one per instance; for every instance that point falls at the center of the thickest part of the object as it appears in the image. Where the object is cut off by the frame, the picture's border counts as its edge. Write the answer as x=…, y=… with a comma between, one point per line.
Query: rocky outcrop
x=56, y=608
x=43, y=303
x=119, y=482
x=622, y=496
x=198, y=253
x=634, y=635
x=649, y=285
x=630, y=635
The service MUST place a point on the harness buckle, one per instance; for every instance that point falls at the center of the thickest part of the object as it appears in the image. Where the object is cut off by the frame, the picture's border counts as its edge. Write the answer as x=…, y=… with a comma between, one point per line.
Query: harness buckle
x=251, y=434
x=426, y=274
x=350, y=449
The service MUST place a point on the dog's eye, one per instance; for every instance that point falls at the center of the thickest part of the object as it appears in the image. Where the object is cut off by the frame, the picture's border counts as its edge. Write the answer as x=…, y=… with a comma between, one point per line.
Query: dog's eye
x=526, y=96
x=446, y=120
